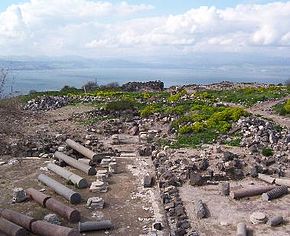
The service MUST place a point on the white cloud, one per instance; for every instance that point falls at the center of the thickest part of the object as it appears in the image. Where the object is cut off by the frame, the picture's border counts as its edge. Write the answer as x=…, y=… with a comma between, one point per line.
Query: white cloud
x=91, y=28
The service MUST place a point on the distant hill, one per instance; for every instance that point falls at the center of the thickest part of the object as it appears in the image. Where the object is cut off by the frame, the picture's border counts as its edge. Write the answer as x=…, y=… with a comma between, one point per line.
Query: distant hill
x=191, y=61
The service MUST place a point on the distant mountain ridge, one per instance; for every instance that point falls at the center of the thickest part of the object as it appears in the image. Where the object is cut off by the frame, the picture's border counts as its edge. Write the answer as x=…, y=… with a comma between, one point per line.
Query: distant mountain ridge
x=206, y=61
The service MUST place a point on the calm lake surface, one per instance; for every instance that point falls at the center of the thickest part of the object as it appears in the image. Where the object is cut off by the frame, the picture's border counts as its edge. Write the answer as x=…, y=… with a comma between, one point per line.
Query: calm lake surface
x=24, y=81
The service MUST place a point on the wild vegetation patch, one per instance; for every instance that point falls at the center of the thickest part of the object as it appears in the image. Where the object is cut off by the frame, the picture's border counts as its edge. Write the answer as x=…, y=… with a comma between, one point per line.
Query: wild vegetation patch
x=196, y=119
x=283, y=108
x=245, y=96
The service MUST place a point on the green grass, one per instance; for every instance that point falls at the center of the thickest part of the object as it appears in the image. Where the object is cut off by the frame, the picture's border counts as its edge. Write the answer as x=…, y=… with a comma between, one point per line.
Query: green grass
x=94, y=120
x=235, y=142
x=195, y=139
x=245, y=96
x=283, y=109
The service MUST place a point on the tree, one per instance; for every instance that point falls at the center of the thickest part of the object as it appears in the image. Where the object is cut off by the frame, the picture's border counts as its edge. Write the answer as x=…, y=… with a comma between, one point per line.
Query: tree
x=3, y=81
x=111, y=85
x=90, y=86
x=287, y=82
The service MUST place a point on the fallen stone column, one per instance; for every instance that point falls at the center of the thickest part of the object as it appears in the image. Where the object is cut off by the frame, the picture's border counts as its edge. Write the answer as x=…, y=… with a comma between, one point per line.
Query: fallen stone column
x=113, y=167
x=87, y=161
x=285, y=182
x=225, y=188
x=43, y=228
x=62, y=190
x=249, y=192
x=37, y=227
x=241, y=229
x=75, y=179
x=72, y=215
x=200, y=209
x=95, y=225
x=275, y=193
x=17, y=218
x=83, y=150
x=266, y=178
x=11, y=229
x=76, y=164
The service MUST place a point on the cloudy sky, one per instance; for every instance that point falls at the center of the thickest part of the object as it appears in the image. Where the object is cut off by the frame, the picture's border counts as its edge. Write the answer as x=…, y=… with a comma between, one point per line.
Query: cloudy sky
x=154, y=28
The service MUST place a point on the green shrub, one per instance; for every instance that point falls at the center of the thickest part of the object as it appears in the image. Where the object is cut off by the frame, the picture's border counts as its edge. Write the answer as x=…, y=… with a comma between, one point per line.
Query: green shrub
x=176, y=110
x=67, y=89
x=198, y=127
x=234, y=142
x=185, y=129
x=120, y=105
x=282, y=109
x=287, y=106
x=193, y=140
x=149, y=110
x=267, y=152
x=176, y=97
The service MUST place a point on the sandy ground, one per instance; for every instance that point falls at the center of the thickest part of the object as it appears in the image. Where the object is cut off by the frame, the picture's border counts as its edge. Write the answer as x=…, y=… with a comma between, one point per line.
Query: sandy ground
x=226, y=213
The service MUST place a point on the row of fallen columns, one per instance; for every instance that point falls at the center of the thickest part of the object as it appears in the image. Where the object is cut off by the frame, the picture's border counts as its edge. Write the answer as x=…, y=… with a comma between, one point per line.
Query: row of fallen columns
x=267, y=193
x=19, y=224
x=13, y=223
x=48, y=202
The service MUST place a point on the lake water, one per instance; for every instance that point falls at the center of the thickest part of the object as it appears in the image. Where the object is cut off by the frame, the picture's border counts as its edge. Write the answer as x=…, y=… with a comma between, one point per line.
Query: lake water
x=54, y=79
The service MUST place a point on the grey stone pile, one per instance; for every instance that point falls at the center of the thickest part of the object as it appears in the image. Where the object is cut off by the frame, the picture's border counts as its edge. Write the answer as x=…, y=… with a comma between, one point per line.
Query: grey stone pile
x=40, y=145
x=143, y=86
x=46, y=103
x=258, y=133
x=52, y=218
x=19, y=195
x=108, y=127
x=145, y=150
x=169, y=177
x=268, y=145
x=104, y=113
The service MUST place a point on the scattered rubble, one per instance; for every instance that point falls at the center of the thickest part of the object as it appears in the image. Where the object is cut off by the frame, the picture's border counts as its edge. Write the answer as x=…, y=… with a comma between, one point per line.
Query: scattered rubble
x=98, y=187
x=52, y=218
x=258, y=218
x=200, y=209
x=275, y=221
x=148, y=181
x=19, y=195
x=143, y=86
x=47, y=103
x=95, y=203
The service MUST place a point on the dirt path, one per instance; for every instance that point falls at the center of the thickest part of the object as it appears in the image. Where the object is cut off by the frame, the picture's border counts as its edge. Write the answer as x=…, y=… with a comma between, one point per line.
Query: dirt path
x=265, y=109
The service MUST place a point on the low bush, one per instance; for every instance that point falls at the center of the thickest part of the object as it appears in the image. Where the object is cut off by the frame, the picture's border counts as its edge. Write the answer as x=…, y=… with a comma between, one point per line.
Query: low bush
x=121, y=105
x=267, y=152
x=282, y=109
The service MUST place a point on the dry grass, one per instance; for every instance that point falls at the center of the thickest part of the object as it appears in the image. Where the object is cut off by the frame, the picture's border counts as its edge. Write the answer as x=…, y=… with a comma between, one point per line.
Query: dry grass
x=11, y=117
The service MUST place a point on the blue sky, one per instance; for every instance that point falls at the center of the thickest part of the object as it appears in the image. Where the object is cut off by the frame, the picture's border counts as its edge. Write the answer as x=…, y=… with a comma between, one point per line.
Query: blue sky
x=5, y=3
x=144, y=29
x=167, y=6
